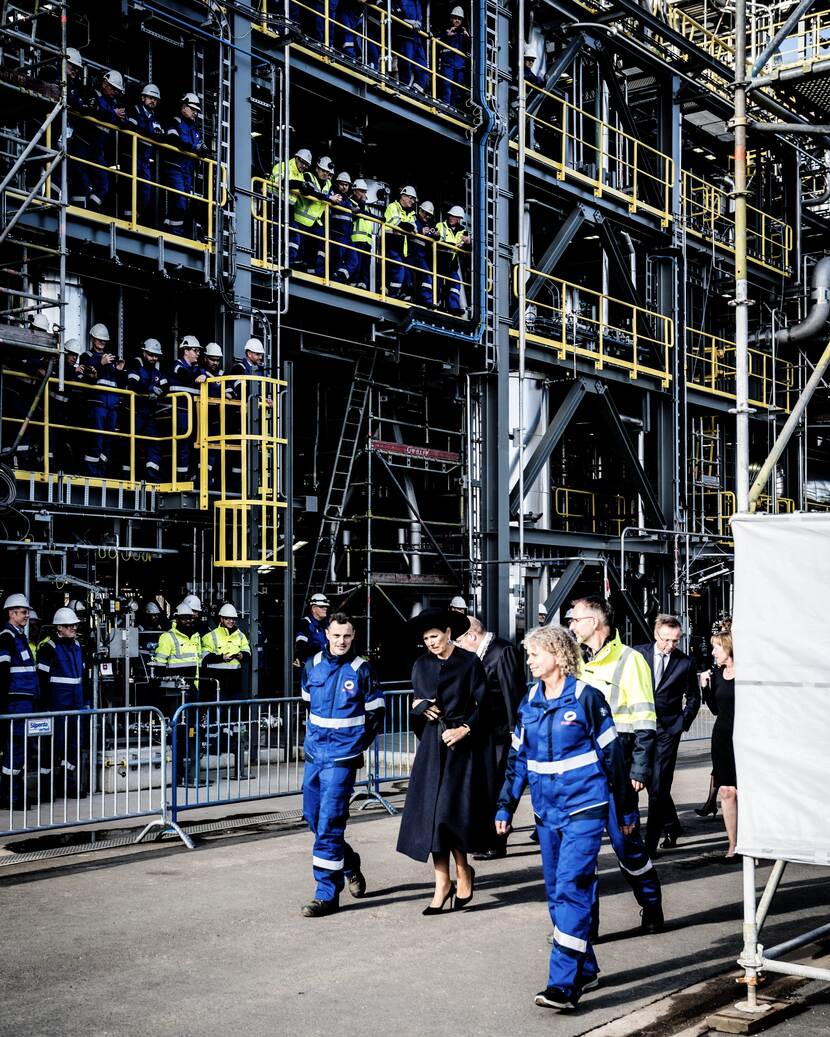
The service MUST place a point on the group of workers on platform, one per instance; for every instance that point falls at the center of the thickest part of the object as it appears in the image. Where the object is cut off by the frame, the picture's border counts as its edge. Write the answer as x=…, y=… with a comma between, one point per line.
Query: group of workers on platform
x=95, y=148
x=90, y=417
x=599, y=722
x=193, y=660
x=355, y=31
x=422, y=259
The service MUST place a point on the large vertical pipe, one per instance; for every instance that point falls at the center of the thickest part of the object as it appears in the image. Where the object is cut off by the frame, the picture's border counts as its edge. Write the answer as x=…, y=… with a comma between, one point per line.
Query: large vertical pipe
x=741, y=285
x=522, y=266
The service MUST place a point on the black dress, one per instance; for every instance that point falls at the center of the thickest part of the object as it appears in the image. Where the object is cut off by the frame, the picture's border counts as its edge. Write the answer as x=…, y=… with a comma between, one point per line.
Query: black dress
x=721, y=700
x=447, y=803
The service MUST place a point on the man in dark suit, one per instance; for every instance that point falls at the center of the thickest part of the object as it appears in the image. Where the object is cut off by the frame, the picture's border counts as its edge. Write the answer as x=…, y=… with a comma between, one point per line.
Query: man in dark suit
x=506, y=687
x=676, y=702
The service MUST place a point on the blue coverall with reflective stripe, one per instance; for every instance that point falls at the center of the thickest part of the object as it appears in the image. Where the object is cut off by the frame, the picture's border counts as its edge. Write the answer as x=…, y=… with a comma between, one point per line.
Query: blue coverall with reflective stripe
x=18, y=693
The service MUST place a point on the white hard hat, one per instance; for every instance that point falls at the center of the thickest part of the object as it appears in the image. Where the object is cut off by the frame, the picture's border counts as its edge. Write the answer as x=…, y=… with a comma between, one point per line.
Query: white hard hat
x=151, y=345
x=64, y=618
x=253, y=345
x=115, y=80
x=458, y=602
x=530, y=51
x=319, y=599
x=360, y=185
x=77, y=606
x=33, y=614
x=192, y=100
x=151, y=90
x=228, y=612
x=152, y=609
x=184, y=610
x=457, y=12
x=456, y=210
x=427, y=207
x=213, y=349
x=99, y=331
x=73, y=56
x=190, y=342
x=192, y=602
x=343, y=178
x=304, y=154
x=40, y=322
x=17, y=601
x=326, y=164
x=72, y=345
x=410, y=190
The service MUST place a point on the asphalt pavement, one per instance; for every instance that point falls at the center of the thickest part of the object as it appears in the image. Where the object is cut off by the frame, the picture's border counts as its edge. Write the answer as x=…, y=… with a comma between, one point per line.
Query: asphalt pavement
x=162, y=940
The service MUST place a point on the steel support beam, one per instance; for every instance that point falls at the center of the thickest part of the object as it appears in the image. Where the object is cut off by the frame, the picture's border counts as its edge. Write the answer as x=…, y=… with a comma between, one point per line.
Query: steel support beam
x=554, y=432
x=564, y=586
x=633, y=609
x=555, y=73
x=564, y=236
x=612, y=249
x=792, y=18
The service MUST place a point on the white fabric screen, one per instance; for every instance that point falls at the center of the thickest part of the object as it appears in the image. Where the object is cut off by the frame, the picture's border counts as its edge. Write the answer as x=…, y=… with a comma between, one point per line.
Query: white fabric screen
x=781, y=629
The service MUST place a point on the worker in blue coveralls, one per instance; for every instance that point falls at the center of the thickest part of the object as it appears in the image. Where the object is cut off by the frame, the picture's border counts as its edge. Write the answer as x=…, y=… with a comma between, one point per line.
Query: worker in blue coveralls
x=311, y=637
x=565, y=747
x=104, y=368
x=342, y=258
x=363, y=234
x=452, y=233
x=186, y=377
x=96, y=142
x=18, y=694
x=412, y=56
x=345, y=712
x=178, y=171
x=454, y=60
x=422, y=255
x=145, y=378
x=60, y=667
x=142, y=119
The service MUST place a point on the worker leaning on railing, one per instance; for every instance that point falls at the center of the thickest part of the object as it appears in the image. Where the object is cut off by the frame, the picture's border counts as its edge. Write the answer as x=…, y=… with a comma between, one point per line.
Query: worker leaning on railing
x=421, y=254
x=142, y=118
x=454, y=60
x=306, y=245
x=179, y=170
x=451, y=232
x=104, y=368
x=94, y=143
x=400, y=223
x=148, y=382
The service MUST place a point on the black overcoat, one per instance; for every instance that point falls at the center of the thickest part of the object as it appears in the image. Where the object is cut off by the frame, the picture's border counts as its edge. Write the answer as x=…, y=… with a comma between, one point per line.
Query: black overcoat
x=447, y=803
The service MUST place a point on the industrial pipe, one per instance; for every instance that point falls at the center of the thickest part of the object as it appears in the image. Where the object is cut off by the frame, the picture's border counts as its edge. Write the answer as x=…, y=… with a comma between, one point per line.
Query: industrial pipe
x=814, y=322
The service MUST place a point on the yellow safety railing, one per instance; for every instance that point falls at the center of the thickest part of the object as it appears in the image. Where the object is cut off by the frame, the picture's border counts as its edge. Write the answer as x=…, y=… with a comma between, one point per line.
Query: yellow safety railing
x=443, y=268
x=710, y=367
x=54, y=444
x=124, y=185
x=708, y=214
x=580, y=146
x=807, y=43
x=576, y=507
x=777, y=505
x=377, y=42
x=718, y=507
x=240, y=449
x=609, y=332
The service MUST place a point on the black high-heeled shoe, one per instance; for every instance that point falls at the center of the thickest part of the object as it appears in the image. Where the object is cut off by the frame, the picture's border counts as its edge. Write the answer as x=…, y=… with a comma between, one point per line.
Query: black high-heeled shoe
x=709, y=807
x=461, y=902
x=437, y=910
x=669, y=841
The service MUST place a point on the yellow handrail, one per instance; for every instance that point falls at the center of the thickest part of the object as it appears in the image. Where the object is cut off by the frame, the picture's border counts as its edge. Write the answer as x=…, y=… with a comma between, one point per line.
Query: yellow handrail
x=710, y=367
x=806, y=44
x=583, y=322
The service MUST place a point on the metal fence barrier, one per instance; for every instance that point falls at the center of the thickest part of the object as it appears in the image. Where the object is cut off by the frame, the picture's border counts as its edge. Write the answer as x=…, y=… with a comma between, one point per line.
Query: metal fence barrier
x=79, y=767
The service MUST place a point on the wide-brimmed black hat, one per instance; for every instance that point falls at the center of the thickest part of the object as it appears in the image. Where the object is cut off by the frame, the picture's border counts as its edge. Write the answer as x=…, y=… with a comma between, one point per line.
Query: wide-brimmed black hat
x=439, y=619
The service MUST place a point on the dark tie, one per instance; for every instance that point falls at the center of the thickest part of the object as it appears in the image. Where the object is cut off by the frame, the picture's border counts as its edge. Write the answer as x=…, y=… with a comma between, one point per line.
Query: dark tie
x=659, y=668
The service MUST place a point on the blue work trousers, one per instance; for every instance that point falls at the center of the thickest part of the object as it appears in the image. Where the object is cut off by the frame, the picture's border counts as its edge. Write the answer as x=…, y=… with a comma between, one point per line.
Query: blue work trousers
x=89, y=183
x=13, y=748
x=103, y=419
x=422, y=277
x=327, y=789
x=569, y=864
x=147, y=447
x=145, y=194
x=305, y=245
x=184, y=443
x=454, y=72
x=351, y=31
x=67, y=731
x=362, y=273
x=179, y=177
x=412, y=60
x=635, y=863
x=398, y=274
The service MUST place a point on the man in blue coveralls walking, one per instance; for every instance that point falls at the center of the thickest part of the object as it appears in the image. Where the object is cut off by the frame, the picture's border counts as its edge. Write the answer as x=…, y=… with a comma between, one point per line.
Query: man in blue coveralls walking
x=345, y=712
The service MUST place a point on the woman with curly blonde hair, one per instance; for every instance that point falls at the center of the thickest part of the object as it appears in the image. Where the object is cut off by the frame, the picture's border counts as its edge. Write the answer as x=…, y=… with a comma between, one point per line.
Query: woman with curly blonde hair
x=719, y=695
x=565, y=747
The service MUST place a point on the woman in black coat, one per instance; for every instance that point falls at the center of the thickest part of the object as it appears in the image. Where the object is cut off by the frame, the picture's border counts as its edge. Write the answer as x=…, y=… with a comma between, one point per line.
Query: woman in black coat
x=719, y=696
x=447, y=808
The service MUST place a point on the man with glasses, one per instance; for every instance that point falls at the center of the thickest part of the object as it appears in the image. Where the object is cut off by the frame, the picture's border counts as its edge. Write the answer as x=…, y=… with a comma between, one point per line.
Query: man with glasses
x=677, y=701
x=624, y=677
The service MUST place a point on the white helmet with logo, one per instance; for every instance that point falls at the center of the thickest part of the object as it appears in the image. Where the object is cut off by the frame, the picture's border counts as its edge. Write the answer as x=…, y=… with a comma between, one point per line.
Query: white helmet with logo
x=457, y=12
x=64, y=617
x=427, y=207
x=228, y=612
x=152, y=609
x=213, y=349
x=151, y=90
x=409, y=190
x=115, y=80
x=33, y=615
x=360, y=185
x=73, y=57
x=16, y=601
x=530, y=51
x=253, y=345
x=151, y=345
x=326, y=164
x=40, y=322
x=456, y=210
x=190, y=342
x=458, y=602
x=72, y=345
x=192, y=602
x=319, y=599
x=192, y=100
x=99, y=331
x=305, y=155
x=343, y=178
x=184, y=610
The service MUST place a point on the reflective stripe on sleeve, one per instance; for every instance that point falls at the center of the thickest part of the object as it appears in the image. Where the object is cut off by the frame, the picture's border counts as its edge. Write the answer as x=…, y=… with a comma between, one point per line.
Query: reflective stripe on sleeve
x=66, y=680
x=606, y=737
x=566, y=940
x=377, y=703
x=305, y=695
x=635, y=871
x=321, y=862
x=337, y=723
x=572, y=763
x=22, y=669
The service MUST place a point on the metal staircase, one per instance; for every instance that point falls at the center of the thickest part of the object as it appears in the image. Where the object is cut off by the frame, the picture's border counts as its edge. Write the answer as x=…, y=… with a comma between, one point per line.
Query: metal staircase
x=348, y=446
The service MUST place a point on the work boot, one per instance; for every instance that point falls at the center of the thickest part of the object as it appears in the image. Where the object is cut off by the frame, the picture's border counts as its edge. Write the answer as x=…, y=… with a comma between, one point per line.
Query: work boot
x=554, y=997
x=318, y=908
x=357, y=880
x=652, y=915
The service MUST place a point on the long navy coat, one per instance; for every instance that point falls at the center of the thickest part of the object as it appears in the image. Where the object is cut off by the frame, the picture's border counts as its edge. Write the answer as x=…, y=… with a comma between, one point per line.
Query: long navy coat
x=448, y=804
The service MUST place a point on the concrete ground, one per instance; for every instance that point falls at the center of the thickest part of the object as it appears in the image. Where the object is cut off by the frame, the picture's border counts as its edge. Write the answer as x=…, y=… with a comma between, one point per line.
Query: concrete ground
x=161, y=940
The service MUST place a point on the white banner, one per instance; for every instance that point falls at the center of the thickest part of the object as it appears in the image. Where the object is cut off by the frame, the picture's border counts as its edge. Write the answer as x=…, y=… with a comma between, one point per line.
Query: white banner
x=781, y=630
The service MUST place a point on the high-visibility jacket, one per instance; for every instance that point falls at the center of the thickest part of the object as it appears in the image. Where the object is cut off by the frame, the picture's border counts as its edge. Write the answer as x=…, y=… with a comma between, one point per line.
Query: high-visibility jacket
x=345, y=708
x=310, y=206
x=18, y=670
x=450, y=235
x=295, y=178
x=397, y=216
x=363, y=228
x=179, y=653
x=222, y=641
x=624, y=678
x=567, y=750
